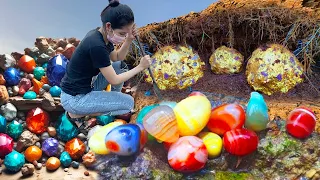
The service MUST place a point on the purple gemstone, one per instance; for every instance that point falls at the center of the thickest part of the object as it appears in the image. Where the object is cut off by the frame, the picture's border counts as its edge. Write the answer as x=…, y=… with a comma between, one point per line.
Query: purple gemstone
x=166, y=76
x=279, y=77
x=179, y=71
x=237, y=58
x=292, y=60
x=181, y=83
x=154, y=61
x=182, y=67
x=192, y=81
x=264, y=74
x=50, y=146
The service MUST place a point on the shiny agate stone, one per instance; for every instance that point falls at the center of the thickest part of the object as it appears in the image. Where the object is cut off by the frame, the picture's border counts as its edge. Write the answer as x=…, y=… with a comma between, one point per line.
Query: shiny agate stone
x=273, y=68
x=14, y=161
x=65, y=129
x=3, y=124
x=55, y=91
x=104, y=120
x=175, y=67
x=50, y=146
x=12, y=76
x=141, y=115
x=56, y=69
x=65, y=159
x=30, y=95
x=124, y=140
x=38, y=72
x=226, y=60
x=14, y=129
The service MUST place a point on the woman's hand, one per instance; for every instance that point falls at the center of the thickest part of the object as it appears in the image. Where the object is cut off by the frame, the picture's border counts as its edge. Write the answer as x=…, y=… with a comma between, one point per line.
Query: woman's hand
x=134, y=32
x=145, y=62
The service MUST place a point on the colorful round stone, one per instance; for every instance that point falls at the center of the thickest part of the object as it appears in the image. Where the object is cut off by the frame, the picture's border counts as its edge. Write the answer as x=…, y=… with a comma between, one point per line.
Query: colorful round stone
x=97, y=140
x=104, y=120
x=301, y=122
x=53, y=164
x=14, y=129
x=14, y=161
x=65, y=129
x=27, y=63
x=12, y=76
x=76, y=148
x=38, y=73
x=124, y=140
x=161, y=123
x=3, y=124
x=189, y=154
x=30, y=95
x=56, y=69
x=33, y=153
x=37, y=120
x=50, y=146
x=65, y=159
x=240, y=142
x=213, y=143
x=141, y=115
x=55, y=91
x=192, y=114
x=6, y=145
x=226, y=117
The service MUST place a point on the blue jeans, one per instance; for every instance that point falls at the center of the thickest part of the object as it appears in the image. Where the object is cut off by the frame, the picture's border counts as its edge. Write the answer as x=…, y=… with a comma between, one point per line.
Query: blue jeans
x=98, y=101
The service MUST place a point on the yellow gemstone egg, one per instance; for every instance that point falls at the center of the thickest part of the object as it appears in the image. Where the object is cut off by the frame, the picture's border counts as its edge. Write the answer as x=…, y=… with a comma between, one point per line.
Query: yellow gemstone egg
x=213, y=143
x=97, y=143
x=192, y=114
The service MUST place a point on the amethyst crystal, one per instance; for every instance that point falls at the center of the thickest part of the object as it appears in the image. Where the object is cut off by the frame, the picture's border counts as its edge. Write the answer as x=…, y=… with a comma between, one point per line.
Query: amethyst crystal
x=50, y=146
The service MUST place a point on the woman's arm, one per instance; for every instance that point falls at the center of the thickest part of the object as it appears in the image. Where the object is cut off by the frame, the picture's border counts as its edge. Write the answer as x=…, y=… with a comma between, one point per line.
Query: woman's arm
x=114, y=79
x=122, y=52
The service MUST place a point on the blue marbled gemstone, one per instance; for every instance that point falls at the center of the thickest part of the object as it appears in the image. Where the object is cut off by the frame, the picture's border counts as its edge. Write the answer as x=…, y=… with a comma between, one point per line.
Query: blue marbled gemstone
x=124, y=140
x=12, y=76
x=65, y=159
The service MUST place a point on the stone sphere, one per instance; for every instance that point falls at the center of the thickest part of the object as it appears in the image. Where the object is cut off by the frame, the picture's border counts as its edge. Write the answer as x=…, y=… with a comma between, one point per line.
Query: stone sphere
x=273, y=68
x=175, y=67
x=226, y=60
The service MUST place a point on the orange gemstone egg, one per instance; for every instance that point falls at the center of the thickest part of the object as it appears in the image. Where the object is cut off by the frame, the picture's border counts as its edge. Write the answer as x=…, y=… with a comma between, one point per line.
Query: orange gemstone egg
x=33, y=153
x=53, y=163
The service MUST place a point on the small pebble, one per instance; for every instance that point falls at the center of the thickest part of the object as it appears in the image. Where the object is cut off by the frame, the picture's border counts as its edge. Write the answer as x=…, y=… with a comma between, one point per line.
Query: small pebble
x=39, y=166
x=44, y=159
x=66, y=169
x=82, y=137
x=23, y=118
x=52, y=131
x=15, y=90
x=30, y=76
x=35, y=163
x=75, y=164
x=46, y=87
x=44, y=136
x=38, y=144
x=86, y=173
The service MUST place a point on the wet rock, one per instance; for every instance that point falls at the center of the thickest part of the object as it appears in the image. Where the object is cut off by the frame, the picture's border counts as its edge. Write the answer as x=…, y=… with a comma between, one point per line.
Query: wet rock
x=88, y=159
x=52, y=131
x=26, y=139
x=43, y=58
x=7, y=61
x=4, y=95
x=2, y=80
x=44, y=136
x=48, y=102
x=9, y=111
x=75, y=164
x=27, y=169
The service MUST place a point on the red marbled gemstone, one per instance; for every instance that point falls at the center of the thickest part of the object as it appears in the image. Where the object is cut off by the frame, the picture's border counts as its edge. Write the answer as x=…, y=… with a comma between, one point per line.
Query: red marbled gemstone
x=27, y=63
x=301, y=122
x=76, y=148
x=225, y=118
x=6, y=145
x=37, y=120
x=240, y=142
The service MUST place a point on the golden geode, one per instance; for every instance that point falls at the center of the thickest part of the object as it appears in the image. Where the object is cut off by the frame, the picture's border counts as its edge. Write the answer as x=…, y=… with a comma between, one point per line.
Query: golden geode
x=175, y=67
x=226, y=60
x=273, y=68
